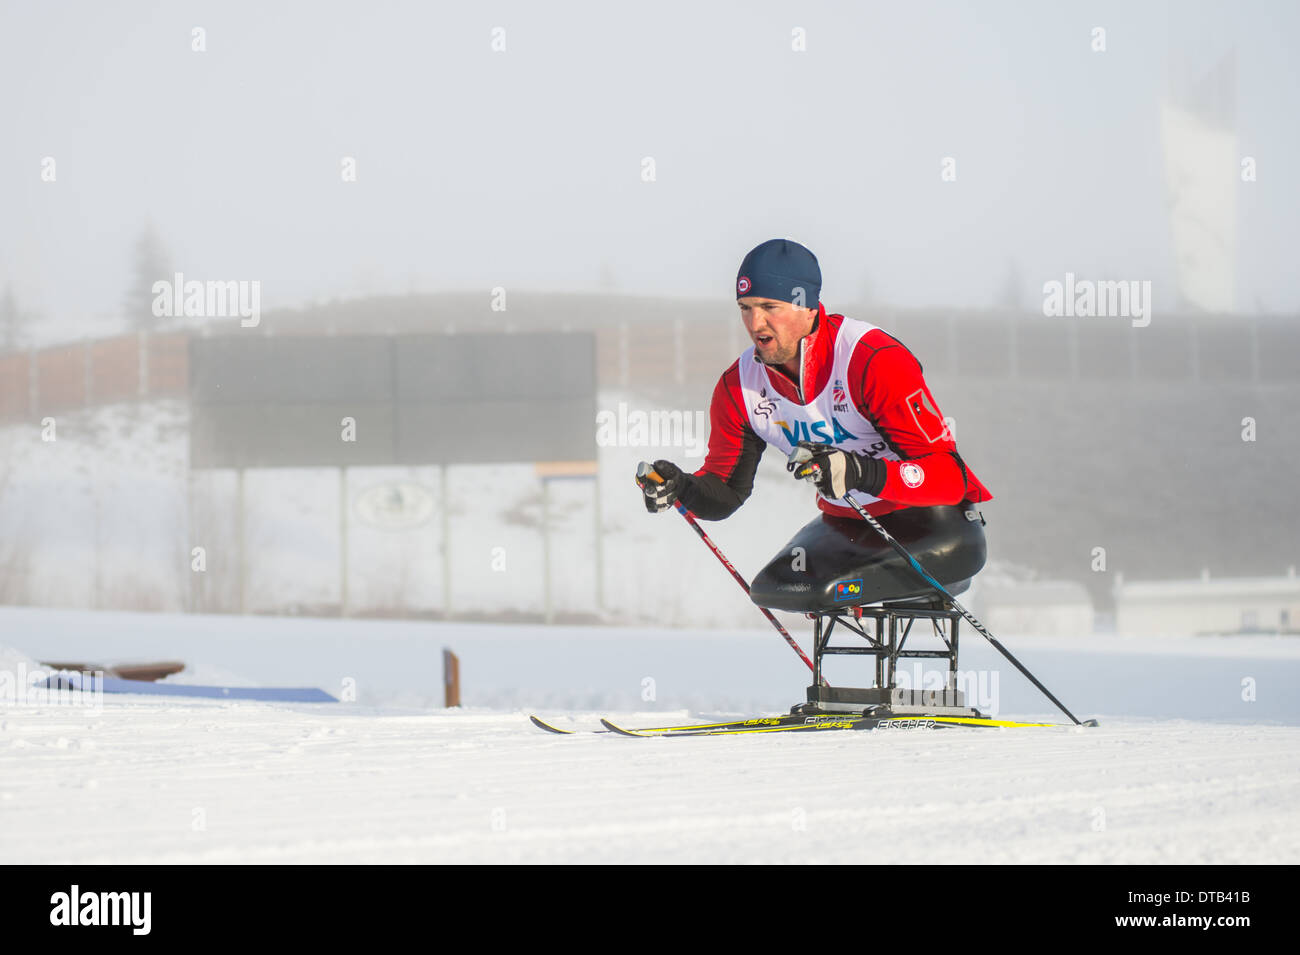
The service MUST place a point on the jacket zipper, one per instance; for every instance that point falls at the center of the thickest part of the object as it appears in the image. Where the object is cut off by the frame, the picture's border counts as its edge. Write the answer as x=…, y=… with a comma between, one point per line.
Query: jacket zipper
x=801, y=365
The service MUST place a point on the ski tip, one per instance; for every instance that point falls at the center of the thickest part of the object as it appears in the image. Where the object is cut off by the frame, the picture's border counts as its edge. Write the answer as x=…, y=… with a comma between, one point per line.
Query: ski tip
x=543, y=725
x=615, y=728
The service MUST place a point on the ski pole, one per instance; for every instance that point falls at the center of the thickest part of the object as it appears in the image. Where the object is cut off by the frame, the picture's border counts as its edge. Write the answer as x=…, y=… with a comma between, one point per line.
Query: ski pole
x=695, y=526
x=962, y=610
x=889, y=538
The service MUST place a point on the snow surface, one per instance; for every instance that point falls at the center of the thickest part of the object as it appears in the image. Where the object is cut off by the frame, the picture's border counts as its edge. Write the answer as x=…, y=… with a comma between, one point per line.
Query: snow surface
x=1184, y=768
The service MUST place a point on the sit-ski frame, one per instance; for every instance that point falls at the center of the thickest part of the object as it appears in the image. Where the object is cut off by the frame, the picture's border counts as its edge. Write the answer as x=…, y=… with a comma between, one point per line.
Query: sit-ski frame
x=885, y=628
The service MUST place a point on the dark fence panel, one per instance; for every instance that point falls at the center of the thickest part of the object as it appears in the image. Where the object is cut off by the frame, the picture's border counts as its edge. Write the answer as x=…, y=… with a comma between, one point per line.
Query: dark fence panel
x=406, y=399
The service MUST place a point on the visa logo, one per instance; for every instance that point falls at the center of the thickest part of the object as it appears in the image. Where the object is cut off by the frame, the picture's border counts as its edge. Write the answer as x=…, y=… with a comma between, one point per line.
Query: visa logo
x=816, y=432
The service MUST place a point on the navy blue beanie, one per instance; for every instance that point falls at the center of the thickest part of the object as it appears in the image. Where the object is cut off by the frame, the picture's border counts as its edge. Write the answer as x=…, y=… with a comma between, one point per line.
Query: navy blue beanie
x=781, y=269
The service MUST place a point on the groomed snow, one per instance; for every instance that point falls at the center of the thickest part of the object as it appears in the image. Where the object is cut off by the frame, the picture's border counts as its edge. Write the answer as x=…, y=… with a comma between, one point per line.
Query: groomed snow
x=204, y=782
x=395, y=778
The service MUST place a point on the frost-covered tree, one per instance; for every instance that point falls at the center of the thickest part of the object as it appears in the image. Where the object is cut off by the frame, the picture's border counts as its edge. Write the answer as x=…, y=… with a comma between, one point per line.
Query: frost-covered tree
x=11, y=320
x=1011, y=295
x=152, y=264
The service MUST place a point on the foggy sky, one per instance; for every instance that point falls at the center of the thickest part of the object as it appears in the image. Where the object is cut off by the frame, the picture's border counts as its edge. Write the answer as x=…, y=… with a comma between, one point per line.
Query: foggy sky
x=523, y=168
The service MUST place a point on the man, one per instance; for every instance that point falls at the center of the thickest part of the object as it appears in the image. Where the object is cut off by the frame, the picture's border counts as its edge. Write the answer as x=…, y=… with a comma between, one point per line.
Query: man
x=854, y=396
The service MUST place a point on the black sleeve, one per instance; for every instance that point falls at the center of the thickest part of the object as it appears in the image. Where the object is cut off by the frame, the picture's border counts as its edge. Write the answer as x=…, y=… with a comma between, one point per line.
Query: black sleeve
x=712, y=499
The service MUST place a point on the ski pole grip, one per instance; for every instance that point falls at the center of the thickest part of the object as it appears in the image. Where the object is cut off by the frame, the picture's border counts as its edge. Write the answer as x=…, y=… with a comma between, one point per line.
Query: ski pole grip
x=646, y=470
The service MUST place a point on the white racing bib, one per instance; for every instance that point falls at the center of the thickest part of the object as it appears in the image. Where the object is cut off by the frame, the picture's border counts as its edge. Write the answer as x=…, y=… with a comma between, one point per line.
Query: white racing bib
x=829, y=418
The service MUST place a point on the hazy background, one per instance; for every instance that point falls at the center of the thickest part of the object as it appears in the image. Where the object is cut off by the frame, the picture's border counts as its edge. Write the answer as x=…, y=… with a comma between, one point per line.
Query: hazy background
x=522, y=170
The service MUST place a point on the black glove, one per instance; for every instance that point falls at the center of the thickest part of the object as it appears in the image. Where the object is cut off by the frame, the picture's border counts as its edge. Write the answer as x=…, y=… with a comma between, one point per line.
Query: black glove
x=660, y=483
x=835, y=472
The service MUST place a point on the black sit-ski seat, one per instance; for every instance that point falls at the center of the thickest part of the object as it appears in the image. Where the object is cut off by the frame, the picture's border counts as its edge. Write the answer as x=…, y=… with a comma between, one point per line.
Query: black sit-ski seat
x=836, y=562
x=840, y=571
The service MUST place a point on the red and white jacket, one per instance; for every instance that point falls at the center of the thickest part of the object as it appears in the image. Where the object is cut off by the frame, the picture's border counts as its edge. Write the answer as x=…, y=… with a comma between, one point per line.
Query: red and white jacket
x=890, y=402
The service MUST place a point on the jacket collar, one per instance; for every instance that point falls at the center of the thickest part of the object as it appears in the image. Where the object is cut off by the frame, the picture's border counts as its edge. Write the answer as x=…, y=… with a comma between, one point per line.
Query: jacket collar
x=814, y=361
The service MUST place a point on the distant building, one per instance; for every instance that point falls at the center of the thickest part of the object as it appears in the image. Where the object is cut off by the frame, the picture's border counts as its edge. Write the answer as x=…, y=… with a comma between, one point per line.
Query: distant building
x=1221, y=605
x=1049, y=608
